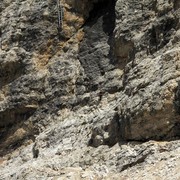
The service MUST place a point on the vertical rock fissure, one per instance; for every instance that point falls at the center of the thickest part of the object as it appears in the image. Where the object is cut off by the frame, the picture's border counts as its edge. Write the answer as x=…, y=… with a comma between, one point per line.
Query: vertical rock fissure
x=96, y=53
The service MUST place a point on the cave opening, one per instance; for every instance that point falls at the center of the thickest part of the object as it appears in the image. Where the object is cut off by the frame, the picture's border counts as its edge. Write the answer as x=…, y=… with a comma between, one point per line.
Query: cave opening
x=106, y=8
x=100, y=7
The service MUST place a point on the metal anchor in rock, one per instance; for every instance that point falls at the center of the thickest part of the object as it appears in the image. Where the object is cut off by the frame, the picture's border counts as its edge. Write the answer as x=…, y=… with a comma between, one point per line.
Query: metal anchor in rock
x=60, y=16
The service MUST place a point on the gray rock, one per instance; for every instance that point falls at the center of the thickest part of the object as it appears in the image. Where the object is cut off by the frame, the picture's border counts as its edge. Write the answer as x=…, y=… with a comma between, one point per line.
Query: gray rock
x=87, y=102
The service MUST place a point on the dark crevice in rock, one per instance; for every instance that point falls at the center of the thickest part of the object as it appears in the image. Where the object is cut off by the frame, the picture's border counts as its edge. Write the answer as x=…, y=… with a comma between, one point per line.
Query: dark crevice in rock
x=35, y=151
x=95, y=52
x=136, y=162
x=176, y=127
x=177, y=99
x=11, y=116
x=125, y=126
x=112, y=90
x=100, y=9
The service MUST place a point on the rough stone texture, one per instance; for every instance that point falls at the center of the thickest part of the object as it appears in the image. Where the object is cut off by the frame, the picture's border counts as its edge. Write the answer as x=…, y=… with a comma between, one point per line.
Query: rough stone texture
x=87, y=103
x=150, y=79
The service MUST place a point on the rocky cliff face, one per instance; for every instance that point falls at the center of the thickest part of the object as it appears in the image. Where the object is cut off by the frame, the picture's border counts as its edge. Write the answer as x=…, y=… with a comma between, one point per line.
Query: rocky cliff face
x=99, y=99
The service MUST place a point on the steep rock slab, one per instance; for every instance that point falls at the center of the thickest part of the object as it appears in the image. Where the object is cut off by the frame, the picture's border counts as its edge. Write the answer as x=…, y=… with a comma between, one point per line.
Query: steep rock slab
x=145, y=48
x=78, y=122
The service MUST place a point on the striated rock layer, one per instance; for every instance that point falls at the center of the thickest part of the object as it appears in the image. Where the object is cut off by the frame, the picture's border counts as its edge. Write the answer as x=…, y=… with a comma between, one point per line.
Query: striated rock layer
x=99, y=99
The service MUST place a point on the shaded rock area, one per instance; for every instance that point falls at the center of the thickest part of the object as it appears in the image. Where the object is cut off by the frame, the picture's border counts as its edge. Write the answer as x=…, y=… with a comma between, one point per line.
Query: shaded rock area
x=99, y=99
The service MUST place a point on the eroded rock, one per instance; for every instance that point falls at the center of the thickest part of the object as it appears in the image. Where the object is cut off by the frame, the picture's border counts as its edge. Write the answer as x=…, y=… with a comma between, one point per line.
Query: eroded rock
x=83, y=101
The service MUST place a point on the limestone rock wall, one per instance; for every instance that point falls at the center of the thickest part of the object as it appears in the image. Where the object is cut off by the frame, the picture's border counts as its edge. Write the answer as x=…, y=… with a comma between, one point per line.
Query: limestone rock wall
x=80, y=102
x=143, y=45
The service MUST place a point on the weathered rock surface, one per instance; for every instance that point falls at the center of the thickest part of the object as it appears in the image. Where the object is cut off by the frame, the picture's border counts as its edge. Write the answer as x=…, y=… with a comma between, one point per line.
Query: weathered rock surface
x=87, y=102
